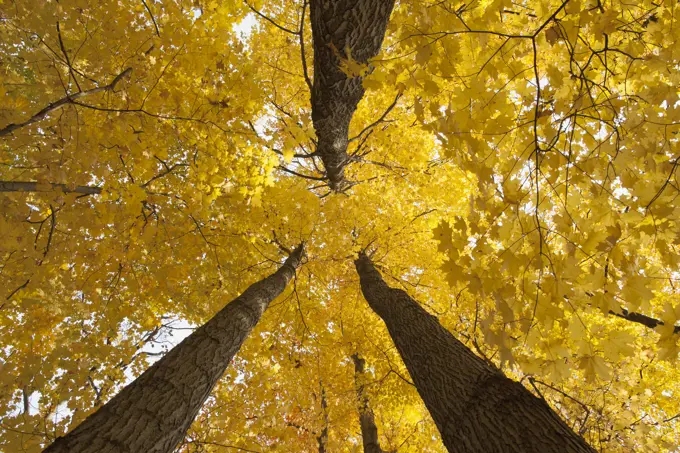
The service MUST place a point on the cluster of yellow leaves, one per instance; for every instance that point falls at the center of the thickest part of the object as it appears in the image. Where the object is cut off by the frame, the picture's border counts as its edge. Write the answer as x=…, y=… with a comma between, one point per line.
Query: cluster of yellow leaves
x=552, y=210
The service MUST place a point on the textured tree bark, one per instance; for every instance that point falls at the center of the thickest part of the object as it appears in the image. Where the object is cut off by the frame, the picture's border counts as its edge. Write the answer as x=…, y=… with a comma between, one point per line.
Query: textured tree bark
x=369, y=431
x=339, y=25
x=153, y=413
x=475, y=407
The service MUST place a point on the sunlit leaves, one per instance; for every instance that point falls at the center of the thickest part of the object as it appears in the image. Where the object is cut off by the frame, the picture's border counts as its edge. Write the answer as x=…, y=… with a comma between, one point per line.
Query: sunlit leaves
x=513, y=165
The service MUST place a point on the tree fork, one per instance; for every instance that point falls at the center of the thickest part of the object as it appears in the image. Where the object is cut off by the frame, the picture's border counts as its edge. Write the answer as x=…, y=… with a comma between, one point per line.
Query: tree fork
x=476, y=408
x=341, y=29
x=154, y=412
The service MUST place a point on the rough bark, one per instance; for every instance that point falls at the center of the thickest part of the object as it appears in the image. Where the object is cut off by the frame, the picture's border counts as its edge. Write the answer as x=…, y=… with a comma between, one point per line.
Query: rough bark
x=475, y=407
x=26, y=186
x=339, y=25
x=153, y=413
x=369, y=430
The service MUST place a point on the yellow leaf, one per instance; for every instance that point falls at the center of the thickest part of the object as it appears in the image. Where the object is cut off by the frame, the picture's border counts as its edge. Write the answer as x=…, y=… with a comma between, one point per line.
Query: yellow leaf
x=595, y=367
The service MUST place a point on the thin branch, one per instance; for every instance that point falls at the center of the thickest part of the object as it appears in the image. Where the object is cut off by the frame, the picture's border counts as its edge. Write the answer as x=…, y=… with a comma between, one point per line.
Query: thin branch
x=313, y=178
x=27, y=405
x=166, y=172
x=53, y=224
x=534, y=381
x=302, y=47
x=70, y=99
x=18, y=289
x=215, y=444
x=270, y=20
x=25, y=186
x=378, y=121
x=66, y=57
x=158, y=33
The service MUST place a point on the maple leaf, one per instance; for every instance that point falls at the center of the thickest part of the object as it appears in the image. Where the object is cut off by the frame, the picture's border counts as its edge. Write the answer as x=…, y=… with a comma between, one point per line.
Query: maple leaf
x=143, y=185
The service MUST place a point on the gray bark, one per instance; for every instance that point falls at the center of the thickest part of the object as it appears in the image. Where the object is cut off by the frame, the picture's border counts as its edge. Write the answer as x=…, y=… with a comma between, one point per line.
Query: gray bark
x=338, y=25
x=153, y=413
x=475, y=407
x=369, y=430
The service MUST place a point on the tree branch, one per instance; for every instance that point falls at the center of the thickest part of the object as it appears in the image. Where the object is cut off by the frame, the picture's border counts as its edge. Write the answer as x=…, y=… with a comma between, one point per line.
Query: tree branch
x=270, y=20
x=302, y=47
x=70, y=99
x=378, y=121
x=639, y=318
x=158, y=33
x=25, y=186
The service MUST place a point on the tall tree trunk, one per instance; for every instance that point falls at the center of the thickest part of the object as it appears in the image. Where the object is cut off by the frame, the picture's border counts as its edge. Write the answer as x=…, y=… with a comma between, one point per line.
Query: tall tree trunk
x=341, y=28
x=369, y=431
x=475, y=407
x=153, y=413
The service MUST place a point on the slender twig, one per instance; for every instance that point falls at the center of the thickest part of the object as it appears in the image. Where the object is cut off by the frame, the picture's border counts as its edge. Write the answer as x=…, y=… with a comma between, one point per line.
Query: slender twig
x=66, y=57
x=379, y=120
x=280, y=27
x=292, y=172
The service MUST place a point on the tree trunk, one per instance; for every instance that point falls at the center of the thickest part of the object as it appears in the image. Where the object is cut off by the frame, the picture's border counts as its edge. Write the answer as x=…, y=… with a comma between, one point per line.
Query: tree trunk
x=341, y=28
x=475, y=407
x=369, y=431
x=153, y=413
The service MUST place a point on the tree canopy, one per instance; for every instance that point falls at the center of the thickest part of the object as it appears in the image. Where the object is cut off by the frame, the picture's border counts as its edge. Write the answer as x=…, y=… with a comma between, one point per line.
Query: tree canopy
x=510, y=164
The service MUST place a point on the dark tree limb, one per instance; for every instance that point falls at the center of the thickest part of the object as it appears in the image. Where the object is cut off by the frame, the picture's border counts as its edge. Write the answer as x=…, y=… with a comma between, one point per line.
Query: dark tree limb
x=341, y=29
x=270, y=20
x=153, y=19
x=70, y=99
x=30, y=186
x=379, y=120
x=639, y=318
x=26, y=186
x=305, y=71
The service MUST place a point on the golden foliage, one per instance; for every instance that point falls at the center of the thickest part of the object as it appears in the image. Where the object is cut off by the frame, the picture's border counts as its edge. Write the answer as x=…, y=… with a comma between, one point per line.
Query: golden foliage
x=513, y=164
